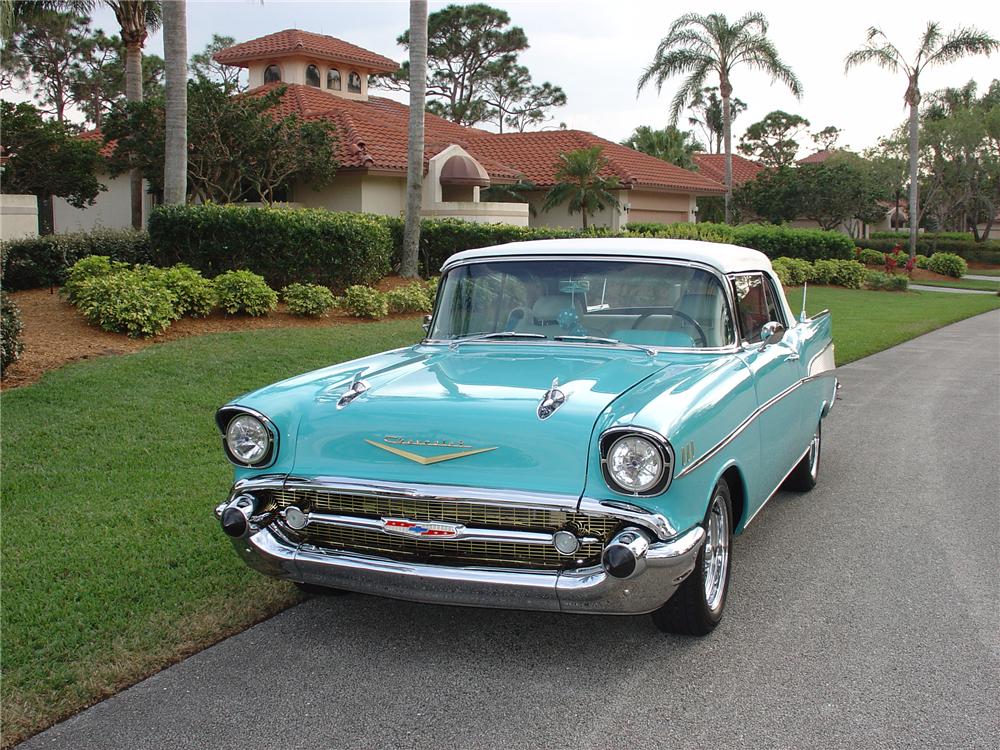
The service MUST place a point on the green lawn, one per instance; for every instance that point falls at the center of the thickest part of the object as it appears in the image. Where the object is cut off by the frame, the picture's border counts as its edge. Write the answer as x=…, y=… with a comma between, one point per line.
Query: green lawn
x=112, y=563
x=988, y=286
x=985, y=271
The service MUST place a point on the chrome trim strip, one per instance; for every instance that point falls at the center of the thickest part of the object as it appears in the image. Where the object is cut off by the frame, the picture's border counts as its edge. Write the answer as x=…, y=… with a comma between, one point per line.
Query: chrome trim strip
x=775, y=490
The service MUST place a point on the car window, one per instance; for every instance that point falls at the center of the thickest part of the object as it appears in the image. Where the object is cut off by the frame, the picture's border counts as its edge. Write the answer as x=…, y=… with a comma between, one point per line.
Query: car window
x=654, y=304
x=756, y=305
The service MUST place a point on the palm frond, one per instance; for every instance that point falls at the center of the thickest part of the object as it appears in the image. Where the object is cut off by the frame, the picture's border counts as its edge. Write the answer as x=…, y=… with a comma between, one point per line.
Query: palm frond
x=687, y=92
x=761, y=55
x=963, y=42
x=748, y=20
x=881, y=56
x=674, y=62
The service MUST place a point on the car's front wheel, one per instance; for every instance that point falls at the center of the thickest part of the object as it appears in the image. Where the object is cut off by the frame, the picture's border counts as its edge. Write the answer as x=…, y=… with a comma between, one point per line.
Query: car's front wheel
x=697, y=606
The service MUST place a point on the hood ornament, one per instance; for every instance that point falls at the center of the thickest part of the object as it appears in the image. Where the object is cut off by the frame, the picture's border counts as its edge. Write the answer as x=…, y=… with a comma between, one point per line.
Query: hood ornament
x=357, y=387
x=552, y=399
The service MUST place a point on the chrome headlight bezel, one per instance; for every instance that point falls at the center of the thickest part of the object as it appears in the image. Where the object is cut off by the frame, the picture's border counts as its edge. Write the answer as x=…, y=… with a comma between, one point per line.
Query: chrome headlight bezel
x=666, y=452
x=225, y=417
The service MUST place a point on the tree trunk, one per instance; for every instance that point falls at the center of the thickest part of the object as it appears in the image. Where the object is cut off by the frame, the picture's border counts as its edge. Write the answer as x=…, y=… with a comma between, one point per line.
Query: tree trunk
x=133, y=93
x=914, y=185
x=415, y=149
x=726, y=90
x=175, y=71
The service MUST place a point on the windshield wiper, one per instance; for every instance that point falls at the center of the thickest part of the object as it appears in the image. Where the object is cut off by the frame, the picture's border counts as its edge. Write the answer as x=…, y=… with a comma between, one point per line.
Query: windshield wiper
x=497, y=335
x=610, y=342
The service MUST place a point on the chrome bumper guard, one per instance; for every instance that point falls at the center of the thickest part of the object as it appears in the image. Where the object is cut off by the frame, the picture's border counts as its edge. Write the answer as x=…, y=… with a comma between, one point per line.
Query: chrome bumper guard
x=590, y=589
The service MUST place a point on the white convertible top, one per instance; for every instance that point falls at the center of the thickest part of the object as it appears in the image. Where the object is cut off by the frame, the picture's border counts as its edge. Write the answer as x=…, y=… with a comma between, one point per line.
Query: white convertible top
x=722, y=257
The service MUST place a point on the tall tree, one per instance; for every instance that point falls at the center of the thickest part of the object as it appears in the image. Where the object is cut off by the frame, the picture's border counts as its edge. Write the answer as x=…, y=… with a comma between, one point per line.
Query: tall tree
x=417, y=36
x=175, y=55
x=699, y=46
x=826, y=139
x=579, y=184
x=203, y=65
x=706, y=109
x=98, y=79
x=935, y=48
x=43, y=53
x=136, y=18
x=669, y=144
x=772, y=140
x=514, y=101
x=465, y=43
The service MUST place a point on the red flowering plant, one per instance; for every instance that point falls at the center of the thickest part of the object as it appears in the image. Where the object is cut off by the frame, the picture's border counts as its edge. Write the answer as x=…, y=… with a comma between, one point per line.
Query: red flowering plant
x=910, y=262
x=890, y=263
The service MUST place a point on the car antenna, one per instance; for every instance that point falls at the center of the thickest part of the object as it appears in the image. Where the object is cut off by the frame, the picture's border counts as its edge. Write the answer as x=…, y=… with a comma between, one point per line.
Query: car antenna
x=802, y=315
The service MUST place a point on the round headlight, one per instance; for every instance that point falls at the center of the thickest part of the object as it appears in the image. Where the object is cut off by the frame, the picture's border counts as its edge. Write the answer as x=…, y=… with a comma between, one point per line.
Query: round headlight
x=635, y=463
x=248, y=439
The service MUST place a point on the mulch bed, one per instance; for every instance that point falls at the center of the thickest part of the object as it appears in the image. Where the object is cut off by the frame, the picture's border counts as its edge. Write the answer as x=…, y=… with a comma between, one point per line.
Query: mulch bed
x=55, y=333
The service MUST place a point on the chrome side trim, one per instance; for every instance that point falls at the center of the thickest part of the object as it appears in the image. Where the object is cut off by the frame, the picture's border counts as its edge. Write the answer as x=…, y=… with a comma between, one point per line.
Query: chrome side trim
x=775, y=490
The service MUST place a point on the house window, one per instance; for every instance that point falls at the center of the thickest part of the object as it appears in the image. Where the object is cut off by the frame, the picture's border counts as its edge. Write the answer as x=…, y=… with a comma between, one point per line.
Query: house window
x=354, y=83
x=272, y=74
x=312, y=76
x=333, y=79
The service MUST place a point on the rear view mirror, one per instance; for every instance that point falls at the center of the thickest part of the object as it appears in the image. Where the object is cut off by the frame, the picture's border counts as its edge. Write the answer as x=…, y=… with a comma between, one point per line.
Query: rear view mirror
x=771, y=333
x=426, y=324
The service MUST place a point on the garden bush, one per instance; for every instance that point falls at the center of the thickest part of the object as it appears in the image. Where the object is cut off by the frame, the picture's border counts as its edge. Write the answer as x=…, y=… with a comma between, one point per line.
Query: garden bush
x=244, y=292
x=364, y=302
x=921, y=261
x=959, y=243
x=706, y=231
x=795, y=270
x=283, y=245
x=849, y=273
x=415, y=297
x=194, y=295
x=948, y=264
x=869, y=257
x=308, y=299
x=11, y=345
x=128, y=301
x=88, y=268
x=810, y=244
x=36, y=262
x=891, y=282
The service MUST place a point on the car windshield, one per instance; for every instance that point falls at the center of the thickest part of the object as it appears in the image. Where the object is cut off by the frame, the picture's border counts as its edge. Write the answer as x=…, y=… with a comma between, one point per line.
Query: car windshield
x=610, y=302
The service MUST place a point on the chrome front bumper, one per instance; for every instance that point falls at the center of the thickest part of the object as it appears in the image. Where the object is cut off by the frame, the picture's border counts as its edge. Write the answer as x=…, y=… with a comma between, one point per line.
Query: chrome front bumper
x=666, y=564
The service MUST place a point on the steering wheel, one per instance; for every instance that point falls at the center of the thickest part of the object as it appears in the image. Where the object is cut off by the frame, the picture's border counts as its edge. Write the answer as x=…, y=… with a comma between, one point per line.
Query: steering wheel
x=677, y=313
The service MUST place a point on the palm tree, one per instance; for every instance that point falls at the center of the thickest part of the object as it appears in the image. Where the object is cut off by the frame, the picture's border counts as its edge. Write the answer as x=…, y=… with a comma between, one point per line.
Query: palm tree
x=935, y=49
x=669, y=144
x=578, y=183
x=136, y=18
x=175, y=70
x=415, y=147
x=698, y=46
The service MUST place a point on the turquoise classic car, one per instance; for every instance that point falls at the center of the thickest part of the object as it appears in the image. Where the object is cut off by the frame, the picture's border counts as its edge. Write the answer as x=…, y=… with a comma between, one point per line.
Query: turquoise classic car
x=584, y=428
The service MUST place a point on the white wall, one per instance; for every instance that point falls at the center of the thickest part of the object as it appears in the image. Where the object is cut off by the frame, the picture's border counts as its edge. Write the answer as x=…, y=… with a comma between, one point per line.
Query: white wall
x=111, y=210
x=344, y=193
x=18, y=216
x=561, y=217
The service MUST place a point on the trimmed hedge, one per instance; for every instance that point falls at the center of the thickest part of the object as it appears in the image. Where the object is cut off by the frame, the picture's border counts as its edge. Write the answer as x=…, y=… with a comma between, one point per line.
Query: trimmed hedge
x=948, y=264
x=888, y=282
x=244, y=292
x=283, y=245
x=364, y=302
x=130, y=301
x=308, y=299
x=43, y=261
x=928, y=243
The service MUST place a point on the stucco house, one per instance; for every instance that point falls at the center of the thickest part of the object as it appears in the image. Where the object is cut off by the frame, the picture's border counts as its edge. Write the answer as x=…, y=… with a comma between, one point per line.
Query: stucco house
x=328, y=78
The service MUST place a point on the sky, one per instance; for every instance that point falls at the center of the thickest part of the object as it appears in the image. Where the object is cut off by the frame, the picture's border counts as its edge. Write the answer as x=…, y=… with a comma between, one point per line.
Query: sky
x=596, y=51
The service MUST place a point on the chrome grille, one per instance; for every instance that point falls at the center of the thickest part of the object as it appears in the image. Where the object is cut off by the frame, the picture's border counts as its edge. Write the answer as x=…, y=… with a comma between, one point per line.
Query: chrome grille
x=471, y=514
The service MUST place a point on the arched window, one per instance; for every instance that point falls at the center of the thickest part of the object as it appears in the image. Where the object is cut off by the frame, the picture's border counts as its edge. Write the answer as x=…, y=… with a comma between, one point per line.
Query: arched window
x=354, y=83
x=333, y=79
x=312, y=76
x=272, y=74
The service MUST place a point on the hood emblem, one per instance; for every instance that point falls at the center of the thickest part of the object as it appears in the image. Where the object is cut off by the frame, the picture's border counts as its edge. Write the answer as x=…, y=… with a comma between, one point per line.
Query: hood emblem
x=552, y=399
x=421, y=530
x=357, y=387
x=391, y=442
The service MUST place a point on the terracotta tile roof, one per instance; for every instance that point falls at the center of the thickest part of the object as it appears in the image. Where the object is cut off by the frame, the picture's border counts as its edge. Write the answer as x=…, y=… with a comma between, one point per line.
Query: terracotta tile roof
x=95, y=135
x=536, y=154
x=713, y=166
x=296, y=42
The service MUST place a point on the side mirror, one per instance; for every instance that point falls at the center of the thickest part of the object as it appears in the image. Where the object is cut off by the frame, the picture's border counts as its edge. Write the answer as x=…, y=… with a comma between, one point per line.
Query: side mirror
x=771, y=333
x=426, y=324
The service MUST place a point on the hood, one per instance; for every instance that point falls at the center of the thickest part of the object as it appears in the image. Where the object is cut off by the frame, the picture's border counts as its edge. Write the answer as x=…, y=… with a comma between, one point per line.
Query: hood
x=427, y=404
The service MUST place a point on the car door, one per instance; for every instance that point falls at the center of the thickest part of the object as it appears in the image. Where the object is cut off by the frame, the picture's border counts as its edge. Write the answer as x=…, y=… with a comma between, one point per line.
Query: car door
x=776, y=372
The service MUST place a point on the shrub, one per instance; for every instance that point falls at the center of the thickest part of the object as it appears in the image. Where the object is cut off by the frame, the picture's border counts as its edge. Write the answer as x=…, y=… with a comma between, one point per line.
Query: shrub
x=706, y=231
x=11, y=345
x=88, y=268
x=948, y=264
x=810, y=244
x=959, y=243
x=129, y=301
x=365, y=302
x=415, y=297
x=44, y=261
x=283, y=245
x=921, y=261
x=244, y=292
x=869, y=257
x=824, y=271
x=848, y=273
x=194, y=294
x=891, y=282
x=795, y=270
x=308, y=299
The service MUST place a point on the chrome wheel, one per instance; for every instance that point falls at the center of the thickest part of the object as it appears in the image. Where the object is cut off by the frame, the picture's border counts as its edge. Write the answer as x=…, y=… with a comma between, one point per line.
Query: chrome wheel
x=814, y=454
x=716, y=553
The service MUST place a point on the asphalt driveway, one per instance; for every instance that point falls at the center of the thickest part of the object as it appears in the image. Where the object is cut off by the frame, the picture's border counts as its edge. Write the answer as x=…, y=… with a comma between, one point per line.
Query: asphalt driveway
x=864, y=614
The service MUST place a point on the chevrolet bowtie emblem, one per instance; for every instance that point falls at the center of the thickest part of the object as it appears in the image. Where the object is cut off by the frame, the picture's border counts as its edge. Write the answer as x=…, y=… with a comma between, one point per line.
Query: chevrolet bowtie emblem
x=391, y=445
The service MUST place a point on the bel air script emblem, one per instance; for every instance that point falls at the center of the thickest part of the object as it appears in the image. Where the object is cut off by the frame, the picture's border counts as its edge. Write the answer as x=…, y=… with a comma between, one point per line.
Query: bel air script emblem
x=391, y=444
x=425, y=530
